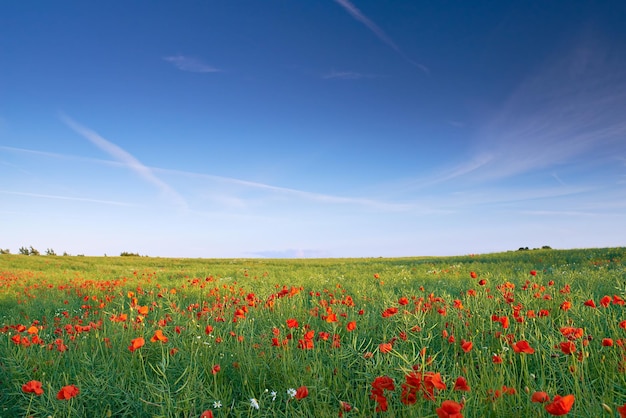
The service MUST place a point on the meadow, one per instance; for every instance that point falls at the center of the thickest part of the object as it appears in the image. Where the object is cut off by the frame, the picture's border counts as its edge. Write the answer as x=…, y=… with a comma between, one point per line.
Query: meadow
x=517, y=334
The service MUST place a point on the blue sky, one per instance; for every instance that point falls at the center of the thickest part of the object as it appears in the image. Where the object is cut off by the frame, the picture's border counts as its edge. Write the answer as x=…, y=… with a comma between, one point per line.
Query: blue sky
x=330, y=128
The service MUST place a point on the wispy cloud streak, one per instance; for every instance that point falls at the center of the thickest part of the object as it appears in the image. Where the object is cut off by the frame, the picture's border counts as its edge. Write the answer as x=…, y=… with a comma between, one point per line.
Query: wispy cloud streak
x=359, y=16
x=78, y=199
x=573, y=111
x=190, y=64
x=348, y=75
x=128, y=160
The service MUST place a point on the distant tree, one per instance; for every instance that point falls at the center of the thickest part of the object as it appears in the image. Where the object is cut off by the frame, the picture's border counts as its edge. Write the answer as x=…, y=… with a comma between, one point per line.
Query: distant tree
x=65, y=254
x=50, y=251
x=127, y=254
x=24, y=251
x=546, y=247
x=33, y=251
x=7, y=251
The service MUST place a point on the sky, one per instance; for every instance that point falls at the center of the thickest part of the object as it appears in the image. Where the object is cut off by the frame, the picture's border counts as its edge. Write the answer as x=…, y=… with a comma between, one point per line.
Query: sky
x=321, y=128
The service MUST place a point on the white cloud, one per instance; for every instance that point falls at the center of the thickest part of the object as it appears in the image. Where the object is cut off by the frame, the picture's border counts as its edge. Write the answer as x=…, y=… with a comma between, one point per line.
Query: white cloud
x=348, y=75
x=128, y=160
x=357, y=15
x=57, y=197
x=190, y=64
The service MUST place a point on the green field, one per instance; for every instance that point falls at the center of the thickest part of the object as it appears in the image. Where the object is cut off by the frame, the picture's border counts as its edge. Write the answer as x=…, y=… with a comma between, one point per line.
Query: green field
x=314, y=338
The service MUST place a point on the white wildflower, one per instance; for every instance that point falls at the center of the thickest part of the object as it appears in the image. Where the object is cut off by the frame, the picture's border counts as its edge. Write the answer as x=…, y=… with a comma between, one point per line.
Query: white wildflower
x=254, y=403
x=291, y=392
x=217, y=404
x=273, y=395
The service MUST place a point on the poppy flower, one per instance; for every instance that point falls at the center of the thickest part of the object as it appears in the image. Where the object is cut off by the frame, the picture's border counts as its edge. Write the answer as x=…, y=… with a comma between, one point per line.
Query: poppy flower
x=159, y=336
x=136, y=343
x=466, y=345
x=568, y=347
x=523, y=347
x=560, y=405
x=67, y=392
x=622, y=411
x=216, y=369
x=207, y=414
x=461, y=384
x=473, y=274
x=292, y=323
x=449, y=409
x=540, y=397
x=345, y=406
x=34, y=386
x=605, y=301
x=590, y=303
x=385, y=347
x=390, y=312
x=351, y=326
x=607, y=342
x=533, y=272
x=302, y=392
x=383, y=382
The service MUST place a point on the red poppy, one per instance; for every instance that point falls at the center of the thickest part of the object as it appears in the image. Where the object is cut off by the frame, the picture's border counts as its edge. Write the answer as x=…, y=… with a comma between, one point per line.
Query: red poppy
x=449, y=409
x=67, y=392
x=136, y=343
x=351, y=326
x=158, y=336
x=496, y=359
x=590, y=303
x=292, y=323
x=622, y=411
x=568, y=347
x=383, y=382
x=523, y=347
x=607, y=342
x=466, y=345
x=473, y=274
x=560, y=405
x=540, y=397
x=385, y=347
x=302, y=392
x=379, y=385
x=605, y=301
x=345, y=406
x=390, y=312
x=207, y=414
x=34, y=386
x=533, y=272
x=216, y=369
x=461, y=384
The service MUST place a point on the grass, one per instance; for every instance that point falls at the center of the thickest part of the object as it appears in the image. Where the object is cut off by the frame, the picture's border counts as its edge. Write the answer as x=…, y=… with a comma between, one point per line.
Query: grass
x=71, y=320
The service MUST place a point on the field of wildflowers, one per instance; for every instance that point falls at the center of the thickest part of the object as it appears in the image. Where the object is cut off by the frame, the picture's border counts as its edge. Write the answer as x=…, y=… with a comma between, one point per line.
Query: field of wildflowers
x=518, y=334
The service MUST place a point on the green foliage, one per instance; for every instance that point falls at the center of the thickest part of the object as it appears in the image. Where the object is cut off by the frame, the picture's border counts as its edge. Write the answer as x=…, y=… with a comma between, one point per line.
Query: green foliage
x=81, y=300
x=50, y=251
x=128, y=254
